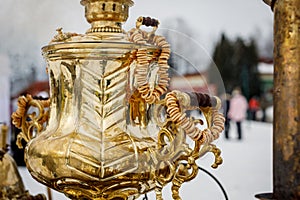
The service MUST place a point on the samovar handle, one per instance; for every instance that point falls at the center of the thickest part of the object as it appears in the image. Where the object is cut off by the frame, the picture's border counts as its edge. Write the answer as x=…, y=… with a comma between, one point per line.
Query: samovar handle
x=147, y=21
x=177, y=102
x=31, y=124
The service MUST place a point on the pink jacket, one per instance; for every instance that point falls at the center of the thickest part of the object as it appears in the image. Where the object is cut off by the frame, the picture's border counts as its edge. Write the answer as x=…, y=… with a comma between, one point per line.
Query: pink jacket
x=238, y=108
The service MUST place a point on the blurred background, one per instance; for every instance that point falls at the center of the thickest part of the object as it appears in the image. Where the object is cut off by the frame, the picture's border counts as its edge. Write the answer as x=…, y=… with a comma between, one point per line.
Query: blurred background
x=216, y=45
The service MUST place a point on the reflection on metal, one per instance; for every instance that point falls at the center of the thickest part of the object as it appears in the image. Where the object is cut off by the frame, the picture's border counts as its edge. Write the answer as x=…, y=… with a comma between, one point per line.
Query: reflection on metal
x=110, y=129
x=11, y=184
x=286, y=148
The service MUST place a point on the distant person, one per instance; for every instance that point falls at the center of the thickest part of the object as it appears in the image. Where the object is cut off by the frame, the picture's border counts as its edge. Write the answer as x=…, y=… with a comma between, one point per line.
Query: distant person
x=253, y=107
x=237, y=110
x=225, y=106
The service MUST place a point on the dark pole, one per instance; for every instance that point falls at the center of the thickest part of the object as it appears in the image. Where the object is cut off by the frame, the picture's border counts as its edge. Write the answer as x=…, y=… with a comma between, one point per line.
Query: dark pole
x=286, y=137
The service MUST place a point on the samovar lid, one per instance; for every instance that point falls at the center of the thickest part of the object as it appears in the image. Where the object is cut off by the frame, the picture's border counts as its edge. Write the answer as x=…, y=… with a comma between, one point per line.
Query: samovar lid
x=106, y=18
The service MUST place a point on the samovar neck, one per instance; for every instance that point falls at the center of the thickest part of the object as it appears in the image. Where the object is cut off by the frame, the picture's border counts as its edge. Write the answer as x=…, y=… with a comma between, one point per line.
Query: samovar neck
x=106, y=15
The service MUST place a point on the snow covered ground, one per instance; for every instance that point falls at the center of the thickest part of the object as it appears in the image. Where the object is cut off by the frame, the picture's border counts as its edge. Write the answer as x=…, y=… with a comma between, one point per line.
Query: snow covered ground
x=246, y=171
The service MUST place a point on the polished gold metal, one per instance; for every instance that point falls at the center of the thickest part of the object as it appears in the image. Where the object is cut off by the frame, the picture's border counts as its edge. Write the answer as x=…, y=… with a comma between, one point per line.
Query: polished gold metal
x=11, y=184
x=106, y=15
x=32, y=123
x=3, y=143
x=109, y=130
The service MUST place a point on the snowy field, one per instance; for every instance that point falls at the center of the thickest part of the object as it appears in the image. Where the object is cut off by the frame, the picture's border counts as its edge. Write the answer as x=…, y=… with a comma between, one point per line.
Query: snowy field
x=246, y=171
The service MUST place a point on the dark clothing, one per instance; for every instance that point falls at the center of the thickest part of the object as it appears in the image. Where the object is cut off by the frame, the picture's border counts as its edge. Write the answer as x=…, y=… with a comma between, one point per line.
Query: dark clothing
x=227, y=126
x=226, y=105
x=238, y=126
x=239, y=130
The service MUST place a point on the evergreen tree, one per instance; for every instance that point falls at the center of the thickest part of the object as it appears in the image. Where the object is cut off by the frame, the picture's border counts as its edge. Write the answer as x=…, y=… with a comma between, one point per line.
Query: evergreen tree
x=222, y=60
x=237, y=64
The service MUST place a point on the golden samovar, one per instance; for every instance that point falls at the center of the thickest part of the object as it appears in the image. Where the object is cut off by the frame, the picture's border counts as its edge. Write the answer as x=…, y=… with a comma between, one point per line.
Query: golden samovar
x=110, y=129
x=11, y=184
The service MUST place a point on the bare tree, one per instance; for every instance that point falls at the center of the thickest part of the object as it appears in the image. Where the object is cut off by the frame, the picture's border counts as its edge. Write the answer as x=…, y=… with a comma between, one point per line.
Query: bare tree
x=187, y=56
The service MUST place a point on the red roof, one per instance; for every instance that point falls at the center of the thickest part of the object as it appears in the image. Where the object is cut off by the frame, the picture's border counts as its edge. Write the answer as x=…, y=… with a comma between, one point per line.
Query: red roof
x=35, y=88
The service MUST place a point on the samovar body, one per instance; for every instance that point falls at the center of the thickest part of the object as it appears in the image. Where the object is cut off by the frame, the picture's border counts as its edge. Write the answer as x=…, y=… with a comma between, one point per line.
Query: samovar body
x=89, y=136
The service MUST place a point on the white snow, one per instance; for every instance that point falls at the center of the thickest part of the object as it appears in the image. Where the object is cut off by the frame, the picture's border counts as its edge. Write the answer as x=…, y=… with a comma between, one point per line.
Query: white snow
x=265, y=68
x=246, y=171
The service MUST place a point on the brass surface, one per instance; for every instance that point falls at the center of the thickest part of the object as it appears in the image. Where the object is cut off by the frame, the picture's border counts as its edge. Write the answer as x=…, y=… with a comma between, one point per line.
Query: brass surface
x=286, y=125
x=108, y=132
x=11, y=184
x=3, y=143
x=106, y=15
x=287, y=99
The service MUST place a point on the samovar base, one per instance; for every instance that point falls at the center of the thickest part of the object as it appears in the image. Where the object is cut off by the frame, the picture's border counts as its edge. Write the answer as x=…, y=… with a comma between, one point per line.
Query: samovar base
x=114, y=190
x=53, y=166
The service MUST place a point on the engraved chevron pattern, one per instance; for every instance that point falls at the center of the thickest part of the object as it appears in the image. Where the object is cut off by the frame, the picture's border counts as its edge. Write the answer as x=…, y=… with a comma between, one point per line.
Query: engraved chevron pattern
x=104, y=93
x=102, y=123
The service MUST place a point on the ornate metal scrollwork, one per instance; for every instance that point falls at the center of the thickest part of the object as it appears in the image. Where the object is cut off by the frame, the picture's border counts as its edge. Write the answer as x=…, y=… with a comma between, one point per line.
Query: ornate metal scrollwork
x=32, y=123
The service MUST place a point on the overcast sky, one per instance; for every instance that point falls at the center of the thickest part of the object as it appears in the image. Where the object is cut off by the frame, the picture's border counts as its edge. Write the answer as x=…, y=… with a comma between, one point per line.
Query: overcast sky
x=206, y=17
x=27, y=25
x=235, y=17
